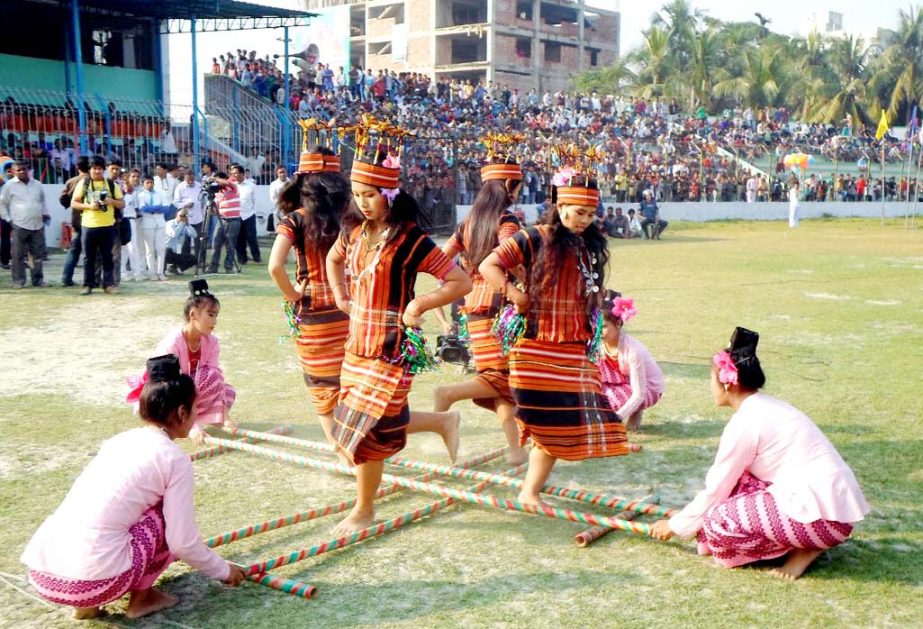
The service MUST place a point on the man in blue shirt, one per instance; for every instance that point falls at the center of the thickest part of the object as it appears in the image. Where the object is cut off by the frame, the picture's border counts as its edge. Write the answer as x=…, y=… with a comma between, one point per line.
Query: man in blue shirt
x=650, y=217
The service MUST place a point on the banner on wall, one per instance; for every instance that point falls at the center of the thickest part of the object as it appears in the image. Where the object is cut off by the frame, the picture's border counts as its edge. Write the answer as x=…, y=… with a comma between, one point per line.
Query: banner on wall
x=325, y=40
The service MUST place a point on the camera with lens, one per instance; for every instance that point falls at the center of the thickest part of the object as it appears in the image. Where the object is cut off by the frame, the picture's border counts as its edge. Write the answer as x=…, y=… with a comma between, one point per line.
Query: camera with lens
x=211, y=187
x=452, y=349
x=101, y=203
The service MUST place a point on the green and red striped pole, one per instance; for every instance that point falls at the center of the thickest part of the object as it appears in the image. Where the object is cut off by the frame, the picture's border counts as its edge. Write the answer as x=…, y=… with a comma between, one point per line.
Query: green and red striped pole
x=289, y=586
x=331, y=509
x=590, y=535
x=213, y=451
x=616, y=503
x=485, y=500
x=366, y=533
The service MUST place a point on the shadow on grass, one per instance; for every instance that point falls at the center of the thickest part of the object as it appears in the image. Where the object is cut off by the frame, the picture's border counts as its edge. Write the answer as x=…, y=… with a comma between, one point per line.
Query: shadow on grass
x=683, y=430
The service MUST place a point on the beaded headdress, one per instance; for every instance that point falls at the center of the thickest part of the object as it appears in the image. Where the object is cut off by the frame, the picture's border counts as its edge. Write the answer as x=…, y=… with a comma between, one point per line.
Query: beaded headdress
x=502, y=161
x=324, y=135
x=576, y=163
x=379, y=148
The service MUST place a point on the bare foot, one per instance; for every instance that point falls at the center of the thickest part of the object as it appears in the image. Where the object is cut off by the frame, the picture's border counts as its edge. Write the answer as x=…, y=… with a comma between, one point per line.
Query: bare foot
x=145, y=602
x=798, y=561
x=230, y=425
x=355, y=521
x=85, y=613
x=534, y=500
x=517, y=456
x=634, y=422
x=450, y=436
x=441, y=401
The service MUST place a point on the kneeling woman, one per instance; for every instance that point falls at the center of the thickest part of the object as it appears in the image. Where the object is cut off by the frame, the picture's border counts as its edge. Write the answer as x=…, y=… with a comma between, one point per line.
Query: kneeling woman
x=777, y=486
x=130, y=513
x=554, y=383
x=384, y=249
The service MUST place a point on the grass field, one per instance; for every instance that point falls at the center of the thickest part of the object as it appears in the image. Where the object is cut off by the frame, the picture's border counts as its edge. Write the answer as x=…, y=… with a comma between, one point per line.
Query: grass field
x=839, y=305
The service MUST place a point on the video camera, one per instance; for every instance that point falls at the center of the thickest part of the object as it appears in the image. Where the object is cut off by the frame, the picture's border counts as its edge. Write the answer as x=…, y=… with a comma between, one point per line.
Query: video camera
x=211, y=187
x=451, y=349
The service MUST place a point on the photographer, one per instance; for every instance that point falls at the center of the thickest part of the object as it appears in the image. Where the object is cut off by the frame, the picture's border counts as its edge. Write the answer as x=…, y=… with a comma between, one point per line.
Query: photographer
x=97, y=199
x=228, y=200
x=179, y=232
x=188, y=196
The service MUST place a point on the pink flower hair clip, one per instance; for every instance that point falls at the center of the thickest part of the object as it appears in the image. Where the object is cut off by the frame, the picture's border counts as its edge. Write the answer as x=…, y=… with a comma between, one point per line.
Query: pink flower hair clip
x=727, y=370
x=390, y=194
x=563, y=177
x=392, y=161
x=623, y=308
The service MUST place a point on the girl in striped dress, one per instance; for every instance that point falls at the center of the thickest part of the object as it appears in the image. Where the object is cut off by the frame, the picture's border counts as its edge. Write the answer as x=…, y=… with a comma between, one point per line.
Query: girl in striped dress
x=554, y=383
x=383, y=248
x=489, y=223
x=778, y=487
x=313, y=204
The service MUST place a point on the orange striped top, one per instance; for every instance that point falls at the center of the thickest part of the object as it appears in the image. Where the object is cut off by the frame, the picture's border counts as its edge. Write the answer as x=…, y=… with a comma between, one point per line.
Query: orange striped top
x=382, y=284
x=559, y=317
x=310, y=263
x=482, y=299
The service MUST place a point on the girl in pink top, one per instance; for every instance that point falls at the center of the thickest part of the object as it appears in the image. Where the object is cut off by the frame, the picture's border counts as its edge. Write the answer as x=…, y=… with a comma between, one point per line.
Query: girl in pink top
x=631, y=379
x=777, y=487
x=198, y=351
x=130, y=513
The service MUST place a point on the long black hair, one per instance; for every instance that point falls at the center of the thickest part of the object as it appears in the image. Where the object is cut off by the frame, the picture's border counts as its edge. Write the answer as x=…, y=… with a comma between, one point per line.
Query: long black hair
x=482, y=222
x=545, y=271
x=402, y=211
x=323, y=197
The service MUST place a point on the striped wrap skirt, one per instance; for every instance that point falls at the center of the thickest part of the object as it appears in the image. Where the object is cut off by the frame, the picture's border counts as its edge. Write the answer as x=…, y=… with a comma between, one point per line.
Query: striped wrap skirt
x=371, y=416
x=149, y=558
x=749, y=527
x=559, y=404
x=322, y=337
x=618, y=391
x=492, y=367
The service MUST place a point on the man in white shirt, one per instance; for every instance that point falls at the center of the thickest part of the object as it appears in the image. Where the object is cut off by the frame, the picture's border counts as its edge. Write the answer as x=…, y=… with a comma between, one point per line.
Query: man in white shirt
x=164, y=182
x=131, y=253
x=22, y=203
x=247, y=235
x=275, y=190
x=188, y=196
x=753, y=185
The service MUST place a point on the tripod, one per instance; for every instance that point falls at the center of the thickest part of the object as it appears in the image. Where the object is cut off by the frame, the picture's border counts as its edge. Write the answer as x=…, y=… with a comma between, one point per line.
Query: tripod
x=211, y=211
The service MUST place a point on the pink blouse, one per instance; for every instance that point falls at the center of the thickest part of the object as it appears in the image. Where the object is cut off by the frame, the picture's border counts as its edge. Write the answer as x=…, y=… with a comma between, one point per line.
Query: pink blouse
x=209, y=355
x=778, y=444
x=87, y=536
x=635, y=361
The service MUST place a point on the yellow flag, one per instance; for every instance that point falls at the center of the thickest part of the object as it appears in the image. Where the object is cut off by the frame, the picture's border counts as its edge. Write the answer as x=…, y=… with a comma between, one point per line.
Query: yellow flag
x=882, y=126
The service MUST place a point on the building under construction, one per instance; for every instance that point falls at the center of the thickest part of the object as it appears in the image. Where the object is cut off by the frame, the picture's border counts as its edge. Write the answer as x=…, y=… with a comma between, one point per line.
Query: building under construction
x=525, y=44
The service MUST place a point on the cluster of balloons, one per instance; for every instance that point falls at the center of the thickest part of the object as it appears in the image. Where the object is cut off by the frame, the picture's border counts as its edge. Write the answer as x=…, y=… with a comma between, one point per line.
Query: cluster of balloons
x=4, y=160
x=799, y=160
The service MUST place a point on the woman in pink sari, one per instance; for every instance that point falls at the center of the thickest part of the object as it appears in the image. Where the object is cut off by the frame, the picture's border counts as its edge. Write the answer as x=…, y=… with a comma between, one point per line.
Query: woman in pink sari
x=777, y=487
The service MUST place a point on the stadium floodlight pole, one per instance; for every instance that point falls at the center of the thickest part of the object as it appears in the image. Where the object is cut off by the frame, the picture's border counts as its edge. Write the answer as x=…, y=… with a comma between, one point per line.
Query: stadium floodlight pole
x=286, y=80
x=195, y=98
x=78, y=77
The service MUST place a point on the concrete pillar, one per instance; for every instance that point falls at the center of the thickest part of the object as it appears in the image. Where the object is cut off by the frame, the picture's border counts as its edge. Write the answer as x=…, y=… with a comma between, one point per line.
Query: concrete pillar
x=491, y=20
x=581, y=34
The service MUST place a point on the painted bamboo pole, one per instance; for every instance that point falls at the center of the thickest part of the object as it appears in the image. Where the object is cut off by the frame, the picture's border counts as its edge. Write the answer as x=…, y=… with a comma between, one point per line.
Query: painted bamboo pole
x=484, y=500
x=604, y=500
x=289, y=586
x=207, y=453
x=366, y=533
x=590, y=535
x=331, y=509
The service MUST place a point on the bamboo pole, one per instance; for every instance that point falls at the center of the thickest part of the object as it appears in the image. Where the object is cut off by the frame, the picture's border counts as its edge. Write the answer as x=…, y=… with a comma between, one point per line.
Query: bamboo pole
x=484, y=500
x=586, y=537
x=318, y=512
x=207, y=453
x=605, y=500
x=366, y=533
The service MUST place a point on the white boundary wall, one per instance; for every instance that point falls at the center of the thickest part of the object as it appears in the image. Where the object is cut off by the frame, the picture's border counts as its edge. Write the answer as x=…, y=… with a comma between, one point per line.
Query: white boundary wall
x=696, y=212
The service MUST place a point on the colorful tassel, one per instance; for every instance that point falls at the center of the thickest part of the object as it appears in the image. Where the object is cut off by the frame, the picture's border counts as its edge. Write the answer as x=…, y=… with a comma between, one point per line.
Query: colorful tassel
x=292, y=319
x=509, y=326
x=463, y=334
x=594, y=344
x=416, y=355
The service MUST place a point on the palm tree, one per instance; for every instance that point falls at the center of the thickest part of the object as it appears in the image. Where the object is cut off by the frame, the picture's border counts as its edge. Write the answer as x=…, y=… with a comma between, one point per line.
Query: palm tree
x=759, y=83
x=847, y=57
x=653, y=63
x=680, y=21
x=609, y=80
x=900, y=65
